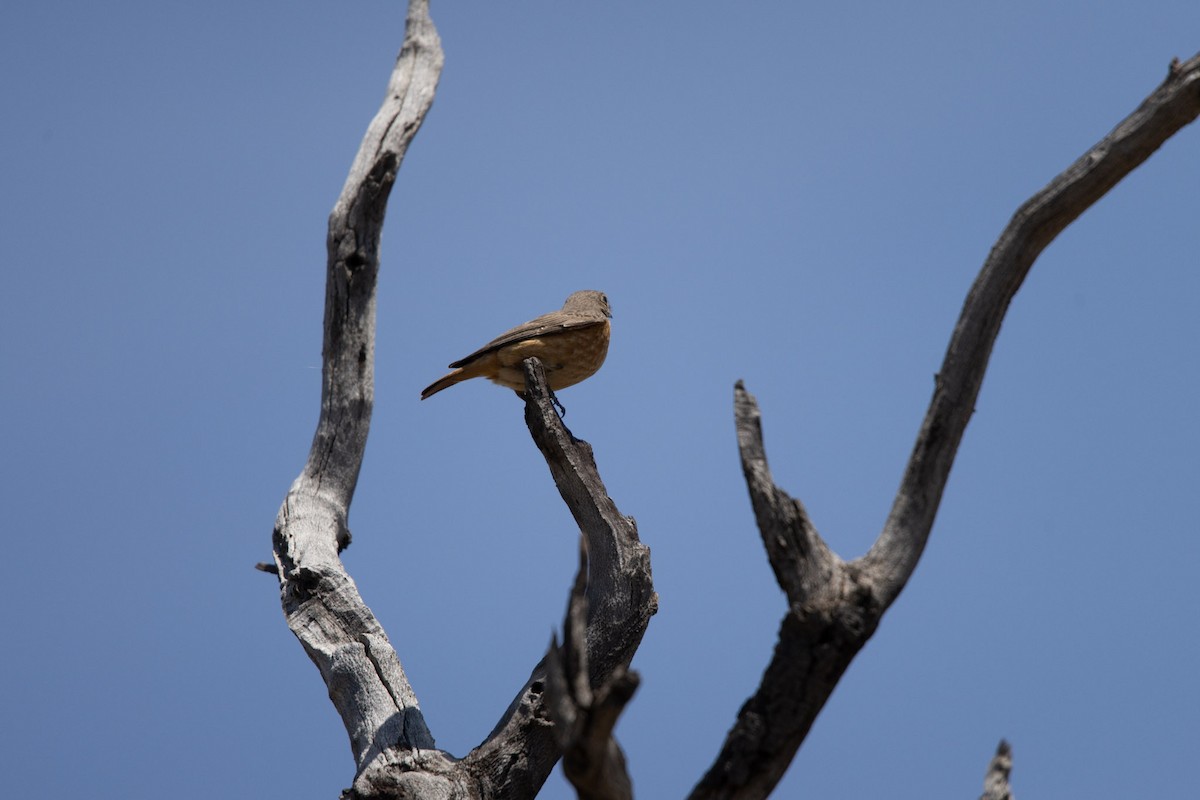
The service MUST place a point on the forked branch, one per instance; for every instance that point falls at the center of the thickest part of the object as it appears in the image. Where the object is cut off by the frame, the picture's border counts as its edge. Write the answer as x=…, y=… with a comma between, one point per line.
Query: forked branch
x=584, y=717
x=392, y=746
x=620, y=600
x=835, y=606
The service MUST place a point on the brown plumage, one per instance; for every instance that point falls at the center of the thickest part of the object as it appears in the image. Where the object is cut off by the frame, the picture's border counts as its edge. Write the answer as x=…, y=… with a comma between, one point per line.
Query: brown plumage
x=571, y=343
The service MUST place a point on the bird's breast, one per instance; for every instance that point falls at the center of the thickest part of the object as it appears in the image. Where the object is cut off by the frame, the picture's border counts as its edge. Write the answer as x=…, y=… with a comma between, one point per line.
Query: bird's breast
x=569, y=356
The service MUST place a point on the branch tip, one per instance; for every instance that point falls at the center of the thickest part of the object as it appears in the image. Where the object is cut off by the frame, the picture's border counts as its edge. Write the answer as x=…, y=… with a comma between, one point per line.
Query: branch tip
x=995, y=782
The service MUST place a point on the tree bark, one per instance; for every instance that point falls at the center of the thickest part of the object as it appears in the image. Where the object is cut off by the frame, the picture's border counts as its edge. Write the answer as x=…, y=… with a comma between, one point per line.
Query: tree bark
x=573, y=696
x=522, y=750
x=393, y=748
x=835, y=606
x=584, y=718
x=320, y=601
x=995, y=783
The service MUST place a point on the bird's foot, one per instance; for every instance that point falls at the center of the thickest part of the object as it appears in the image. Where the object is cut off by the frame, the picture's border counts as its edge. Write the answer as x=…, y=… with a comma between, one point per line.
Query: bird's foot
x=562, y=410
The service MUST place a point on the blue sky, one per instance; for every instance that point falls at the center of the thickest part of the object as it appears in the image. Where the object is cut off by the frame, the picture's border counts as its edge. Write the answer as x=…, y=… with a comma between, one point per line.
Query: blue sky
x=797, y=195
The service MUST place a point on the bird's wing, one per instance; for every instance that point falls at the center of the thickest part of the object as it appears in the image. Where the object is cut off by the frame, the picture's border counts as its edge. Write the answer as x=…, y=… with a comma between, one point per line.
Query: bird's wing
x=547, y=324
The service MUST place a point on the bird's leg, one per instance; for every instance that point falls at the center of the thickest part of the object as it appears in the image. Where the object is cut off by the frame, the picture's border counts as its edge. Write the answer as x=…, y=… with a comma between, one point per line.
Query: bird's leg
x=558, y=406
x=562, y=410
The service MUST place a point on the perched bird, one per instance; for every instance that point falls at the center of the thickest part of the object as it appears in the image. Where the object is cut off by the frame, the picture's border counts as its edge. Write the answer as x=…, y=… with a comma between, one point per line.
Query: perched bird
x=571, y=344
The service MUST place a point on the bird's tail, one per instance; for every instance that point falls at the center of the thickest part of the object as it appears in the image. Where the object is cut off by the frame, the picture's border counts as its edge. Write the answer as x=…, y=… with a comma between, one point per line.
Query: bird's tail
x=444, y=382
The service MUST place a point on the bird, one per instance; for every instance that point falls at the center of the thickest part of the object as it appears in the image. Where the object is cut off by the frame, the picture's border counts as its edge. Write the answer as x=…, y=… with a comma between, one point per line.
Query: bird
x=571, y=343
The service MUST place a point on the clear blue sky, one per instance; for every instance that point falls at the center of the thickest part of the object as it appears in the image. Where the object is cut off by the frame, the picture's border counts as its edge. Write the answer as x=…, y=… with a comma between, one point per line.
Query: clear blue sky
x=794, y=194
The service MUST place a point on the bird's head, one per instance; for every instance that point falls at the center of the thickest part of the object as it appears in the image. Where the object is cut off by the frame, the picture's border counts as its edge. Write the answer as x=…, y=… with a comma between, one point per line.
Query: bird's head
x=588, y=301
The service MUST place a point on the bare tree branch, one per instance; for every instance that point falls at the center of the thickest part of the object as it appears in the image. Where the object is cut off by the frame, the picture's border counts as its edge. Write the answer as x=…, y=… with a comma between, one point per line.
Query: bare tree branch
x=995, y=783
x=803, y=564
x=831, y=614
x=620, y=591
x=835, y=606
x=584, y=719
x=320, y=601
x=522, y=750
x=1035, y=224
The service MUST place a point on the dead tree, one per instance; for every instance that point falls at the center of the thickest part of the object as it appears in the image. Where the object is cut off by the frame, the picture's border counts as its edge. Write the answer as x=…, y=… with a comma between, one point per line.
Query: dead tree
x=574, y=694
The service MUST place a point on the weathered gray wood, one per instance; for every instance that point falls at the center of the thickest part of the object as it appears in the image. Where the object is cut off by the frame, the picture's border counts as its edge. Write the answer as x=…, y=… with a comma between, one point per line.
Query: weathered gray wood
x=831, y=614
x=320, y=601
x=1174, y=104
x=835, y=606
x=584, y=718
x=620, y=590
x=995, y=783
x=520, y=753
